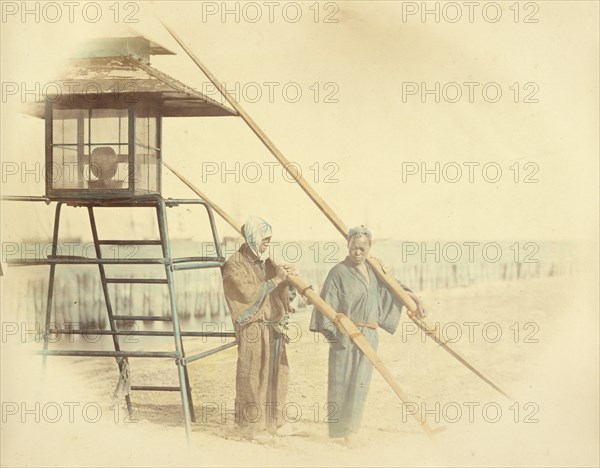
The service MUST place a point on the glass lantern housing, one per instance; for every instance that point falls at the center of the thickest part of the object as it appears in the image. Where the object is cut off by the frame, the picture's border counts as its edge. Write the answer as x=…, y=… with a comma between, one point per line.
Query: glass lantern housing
x=102, y=152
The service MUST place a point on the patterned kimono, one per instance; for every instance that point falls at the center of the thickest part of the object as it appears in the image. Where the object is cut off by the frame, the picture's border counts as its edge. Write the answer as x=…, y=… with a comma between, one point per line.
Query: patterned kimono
x=256, y=307
x=369, y=306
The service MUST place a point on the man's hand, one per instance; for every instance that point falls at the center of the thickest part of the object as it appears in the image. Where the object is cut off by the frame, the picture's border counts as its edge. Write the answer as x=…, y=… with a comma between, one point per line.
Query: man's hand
x=282, y=272
x=280, y=275
x=290, y=270
x=421, y=312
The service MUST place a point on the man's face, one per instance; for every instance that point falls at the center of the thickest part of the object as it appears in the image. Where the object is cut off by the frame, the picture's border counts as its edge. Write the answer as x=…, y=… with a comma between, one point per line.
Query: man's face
x=358, y=249
x=264, y=244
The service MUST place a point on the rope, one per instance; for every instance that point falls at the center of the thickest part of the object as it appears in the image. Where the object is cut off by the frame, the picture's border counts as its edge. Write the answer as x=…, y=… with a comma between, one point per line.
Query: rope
x=124, y=383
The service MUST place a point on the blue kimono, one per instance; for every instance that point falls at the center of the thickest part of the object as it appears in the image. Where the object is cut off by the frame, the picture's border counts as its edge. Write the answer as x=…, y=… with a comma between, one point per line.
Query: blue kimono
x=367, y=305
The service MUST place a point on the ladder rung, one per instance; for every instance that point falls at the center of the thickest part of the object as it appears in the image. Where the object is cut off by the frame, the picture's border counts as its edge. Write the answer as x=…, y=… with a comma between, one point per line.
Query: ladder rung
x=79, y=260
x=203, y=354
x=137, y=280
x=196, y=265
x=129, y=242
x=69, y=257
x=93, y=332
x=140, y=354
x=152, y=388
x=157, y=318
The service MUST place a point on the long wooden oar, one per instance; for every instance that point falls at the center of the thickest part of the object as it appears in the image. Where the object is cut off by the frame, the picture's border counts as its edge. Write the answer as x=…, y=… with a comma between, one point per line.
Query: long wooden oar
x=214, y=206
x=343, y=323
x=391, y=282
x=431, y=330
x=327, y=211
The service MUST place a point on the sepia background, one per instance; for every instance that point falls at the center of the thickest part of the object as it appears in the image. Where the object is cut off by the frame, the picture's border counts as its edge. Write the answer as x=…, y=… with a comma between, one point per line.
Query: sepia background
x=366, y=127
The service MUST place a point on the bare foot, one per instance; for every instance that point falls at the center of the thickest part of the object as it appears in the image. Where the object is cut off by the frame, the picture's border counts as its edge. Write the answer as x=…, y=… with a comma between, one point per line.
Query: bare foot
x=289, y=429
x=351, y=441
x=263, y=438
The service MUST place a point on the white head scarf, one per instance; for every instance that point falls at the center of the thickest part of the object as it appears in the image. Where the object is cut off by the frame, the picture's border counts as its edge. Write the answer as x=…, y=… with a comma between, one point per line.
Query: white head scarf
x=255, y=230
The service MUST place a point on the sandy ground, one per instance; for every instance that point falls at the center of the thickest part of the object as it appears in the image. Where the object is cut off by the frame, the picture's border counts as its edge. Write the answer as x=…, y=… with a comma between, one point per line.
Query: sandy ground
x=546, y=357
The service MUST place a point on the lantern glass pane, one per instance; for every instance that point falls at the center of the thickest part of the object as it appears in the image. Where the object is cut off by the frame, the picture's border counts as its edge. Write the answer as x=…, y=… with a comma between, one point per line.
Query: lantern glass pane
x=68, y=123
x=109, y=126
x=65, y=170
x=146, y=150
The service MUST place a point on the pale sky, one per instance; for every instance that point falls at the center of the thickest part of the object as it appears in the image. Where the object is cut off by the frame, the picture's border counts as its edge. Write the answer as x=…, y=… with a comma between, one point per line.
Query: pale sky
x=374, y=132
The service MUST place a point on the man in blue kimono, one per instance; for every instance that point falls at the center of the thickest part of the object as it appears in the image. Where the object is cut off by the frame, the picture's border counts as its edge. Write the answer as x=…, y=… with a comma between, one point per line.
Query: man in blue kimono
x=352, y=288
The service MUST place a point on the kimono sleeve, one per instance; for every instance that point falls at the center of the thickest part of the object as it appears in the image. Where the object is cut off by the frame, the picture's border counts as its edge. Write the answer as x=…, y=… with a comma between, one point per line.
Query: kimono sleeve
x=239, y=282
x=390, y=310
x=331, y=294
x=242, y=285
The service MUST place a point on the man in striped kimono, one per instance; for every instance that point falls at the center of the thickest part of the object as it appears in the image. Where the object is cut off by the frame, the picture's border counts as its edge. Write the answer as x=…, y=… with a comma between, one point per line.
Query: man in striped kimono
x=352, y=288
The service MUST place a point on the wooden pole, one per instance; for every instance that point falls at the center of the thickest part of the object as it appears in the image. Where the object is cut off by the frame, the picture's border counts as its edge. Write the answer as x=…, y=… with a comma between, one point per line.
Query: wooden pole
x=432, y=330
x=197, y=191
x=321, y=204
x=387, y=279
